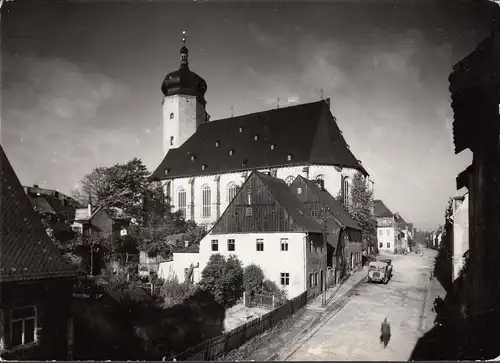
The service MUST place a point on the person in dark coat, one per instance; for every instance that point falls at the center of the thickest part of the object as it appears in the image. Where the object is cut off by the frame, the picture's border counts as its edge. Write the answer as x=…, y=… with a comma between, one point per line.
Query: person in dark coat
x=385, y=333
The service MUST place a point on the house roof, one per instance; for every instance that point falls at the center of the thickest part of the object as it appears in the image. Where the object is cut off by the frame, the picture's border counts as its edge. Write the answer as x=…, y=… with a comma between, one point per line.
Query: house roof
x=82, y=214
x=190, y=249
x=380, y=209
x=289, y=201
x=42, y=205
x=26, y=251
x=335, y=207
x=308, y=132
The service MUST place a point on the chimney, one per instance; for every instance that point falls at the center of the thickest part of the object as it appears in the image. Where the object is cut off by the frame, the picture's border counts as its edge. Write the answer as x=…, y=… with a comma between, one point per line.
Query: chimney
x=186, y=243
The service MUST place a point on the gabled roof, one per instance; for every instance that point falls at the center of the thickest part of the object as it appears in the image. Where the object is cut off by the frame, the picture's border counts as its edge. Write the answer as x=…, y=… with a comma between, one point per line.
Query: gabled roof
x=82, y=214
x=308, y=132
x=335, y=207
x=289, y=201
x=380, y=209
x=26, y=252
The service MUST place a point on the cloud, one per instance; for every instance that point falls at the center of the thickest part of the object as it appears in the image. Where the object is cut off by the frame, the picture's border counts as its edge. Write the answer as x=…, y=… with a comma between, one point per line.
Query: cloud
x=51, y=126
x=391, y=101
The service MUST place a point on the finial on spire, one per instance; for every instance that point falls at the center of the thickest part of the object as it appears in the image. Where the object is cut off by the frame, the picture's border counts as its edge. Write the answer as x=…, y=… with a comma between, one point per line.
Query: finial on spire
x=184, y=51
x=232, y=111
x=183, y=37
x=278, y=103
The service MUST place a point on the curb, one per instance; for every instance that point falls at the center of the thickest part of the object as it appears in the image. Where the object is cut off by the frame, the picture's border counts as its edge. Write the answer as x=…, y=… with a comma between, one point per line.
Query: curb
x=423, y=319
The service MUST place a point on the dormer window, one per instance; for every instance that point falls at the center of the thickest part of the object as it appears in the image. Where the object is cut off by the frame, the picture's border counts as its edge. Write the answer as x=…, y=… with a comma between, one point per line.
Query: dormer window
x=171, y=115
x=289, y=157
x=167, y=171
x=241, y=129
x=244, y=162
x=231, y=152
x=192, y=157
x=204, y=166
x=217, y=143
x=256, y=137
x=273, y=146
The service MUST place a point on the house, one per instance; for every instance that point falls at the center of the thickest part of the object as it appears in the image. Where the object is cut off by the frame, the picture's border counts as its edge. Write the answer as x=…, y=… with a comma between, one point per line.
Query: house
x=403, y=235
x=205, y=162
x=184, y=265
x=460, y=233
x=93, y=222
x=387, y=227
x=265, y=224
x=474, y=84
x=35, y=281
x=343, y=234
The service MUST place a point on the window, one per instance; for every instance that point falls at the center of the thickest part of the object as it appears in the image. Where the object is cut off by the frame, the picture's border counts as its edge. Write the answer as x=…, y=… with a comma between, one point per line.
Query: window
x=388, y=232
x=23, y=326
x=181, y=200
x=260, y=244
x=217, y=143
x=256, y=137
x=381, y=245
x=192, y=157
x=289, y=180
x=380, y=232
x=289, y=157
x=285, y=278
x=172, y=116
x=207, y=202
x=171, y=141
x=273, y=146
x=314, y=213
x=232, y=189
x=315, y=279
x=215, y=245
x=388, y=245
x=248, y=211
x=311, y=279
x=346, y=190
x=320, y=177
x=231, y=152
x=230, y=245
x=299, y=191
x=284, y=244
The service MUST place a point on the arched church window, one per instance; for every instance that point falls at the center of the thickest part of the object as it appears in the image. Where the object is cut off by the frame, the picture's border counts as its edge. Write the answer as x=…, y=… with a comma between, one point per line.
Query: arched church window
x=206, y=195
x=181, y=200
x=345, y=186
x=320, y=177
x=171, y=115
x=289, y=180
x=232, y=189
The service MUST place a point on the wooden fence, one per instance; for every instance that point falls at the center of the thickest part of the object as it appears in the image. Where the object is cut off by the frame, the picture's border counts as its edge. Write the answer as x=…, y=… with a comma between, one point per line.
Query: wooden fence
x=221, y=345
x=266, y=301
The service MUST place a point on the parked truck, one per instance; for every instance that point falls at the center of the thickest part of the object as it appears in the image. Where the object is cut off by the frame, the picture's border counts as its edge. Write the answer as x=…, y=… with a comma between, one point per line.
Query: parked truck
x=380, y=271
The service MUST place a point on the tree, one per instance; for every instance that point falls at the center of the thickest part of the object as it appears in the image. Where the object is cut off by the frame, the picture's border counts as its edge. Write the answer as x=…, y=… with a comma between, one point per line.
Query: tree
x=253, y=279
x=360, y=208
x=223, y=279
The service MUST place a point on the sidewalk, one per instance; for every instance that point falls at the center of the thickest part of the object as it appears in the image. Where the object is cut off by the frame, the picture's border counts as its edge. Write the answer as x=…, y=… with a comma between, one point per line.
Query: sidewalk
x=434, y=289
x=309, y=320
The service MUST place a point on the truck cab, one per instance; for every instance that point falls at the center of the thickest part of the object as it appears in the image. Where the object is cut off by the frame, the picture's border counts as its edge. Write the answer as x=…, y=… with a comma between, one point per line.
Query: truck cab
x=379, y=271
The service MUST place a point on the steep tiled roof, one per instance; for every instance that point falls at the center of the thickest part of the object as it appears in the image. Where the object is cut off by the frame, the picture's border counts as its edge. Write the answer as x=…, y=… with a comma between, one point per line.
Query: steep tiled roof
x=335, y=207
x=26, y=252
x=308, y=132
x=380, y=210
x=289, y=201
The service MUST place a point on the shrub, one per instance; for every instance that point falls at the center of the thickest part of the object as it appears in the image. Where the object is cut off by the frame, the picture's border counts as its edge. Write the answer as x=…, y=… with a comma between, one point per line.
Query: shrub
x=253, y=278
x=280, y=295
x=223, y=279
x=173, y=293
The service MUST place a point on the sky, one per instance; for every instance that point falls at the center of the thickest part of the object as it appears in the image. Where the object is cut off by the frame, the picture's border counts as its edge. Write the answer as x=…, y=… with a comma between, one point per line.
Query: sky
x=81, y=82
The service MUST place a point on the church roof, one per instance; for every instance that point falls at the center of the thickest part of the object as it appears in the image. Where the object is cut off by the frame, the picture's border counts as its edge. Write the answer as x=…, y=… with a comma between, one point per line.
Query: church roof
x=333, y=205
x=26, y=252
x=380, y=209
x=295, y=135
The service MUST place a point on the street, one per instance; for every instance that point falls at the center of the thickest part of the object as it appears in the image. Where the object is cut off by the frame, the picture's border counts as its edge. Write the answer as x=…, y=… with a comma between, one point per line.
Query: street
x=353, y=333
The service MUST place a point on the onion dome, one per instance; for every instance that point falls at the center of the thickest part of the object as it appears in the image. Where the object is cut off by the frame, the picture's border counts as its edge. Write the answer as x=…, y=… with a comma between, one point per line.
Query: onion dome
x=183, y=81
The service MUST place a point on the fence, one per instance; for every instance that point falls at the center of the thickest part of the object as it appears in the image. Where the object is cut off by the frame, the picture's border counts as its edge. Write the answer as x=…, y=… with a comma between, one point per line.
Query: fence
x=261, y=300
x=221, y=345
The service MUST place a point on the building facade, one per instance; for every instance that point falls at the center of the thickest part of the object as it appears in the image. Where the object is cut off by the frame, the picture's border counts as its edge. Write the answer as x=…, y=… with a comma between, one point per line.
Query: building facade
x=206, y=162
x=387, y=227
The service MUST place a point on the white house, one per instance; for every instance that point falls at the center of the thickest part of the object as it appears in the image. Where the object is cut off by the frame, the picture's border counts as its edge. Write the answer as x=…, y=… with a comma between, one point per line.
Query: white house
x=205, y=162
x=184, y=266
x=387, y=227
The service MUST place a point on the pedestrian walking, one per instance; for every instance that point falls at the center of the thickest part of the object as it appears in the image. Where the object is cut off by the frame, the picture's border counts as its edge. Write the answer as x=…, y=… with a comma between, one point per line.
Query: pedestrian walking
x=385, y=333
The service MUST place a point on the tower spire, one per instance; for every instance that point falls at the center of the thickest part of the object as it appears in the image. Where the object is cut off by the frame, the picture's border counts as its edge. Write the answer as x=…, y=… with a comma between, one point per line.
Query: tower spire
x=184, y=50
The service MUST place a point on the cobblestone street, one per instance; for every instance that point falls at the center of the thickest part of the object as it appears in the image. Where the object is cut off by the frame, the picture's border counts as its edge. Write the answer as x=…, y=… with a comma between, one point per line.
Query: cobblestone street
x=353, y=333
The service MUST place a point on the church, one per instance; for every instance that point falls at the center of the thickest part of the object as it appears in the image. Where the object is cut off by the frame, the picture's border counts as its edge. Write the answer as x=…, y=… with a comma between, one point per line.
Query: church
x=206, y=162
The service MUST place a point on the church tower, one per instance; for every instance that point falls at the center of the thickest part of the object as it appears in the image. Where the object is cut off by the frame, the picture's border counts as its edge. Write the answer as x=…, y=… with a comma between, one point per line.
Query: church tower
x=183, y=103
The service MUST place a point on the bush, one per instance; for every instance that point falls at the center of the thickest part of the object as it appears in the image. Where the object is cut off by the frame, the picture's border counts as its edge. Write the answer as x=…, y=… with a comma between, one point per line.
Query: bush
x=223, y=279
x=280, y=295
x=173, y=293
x=253, y=278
